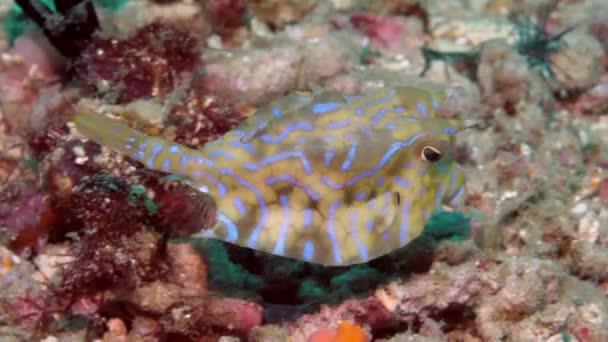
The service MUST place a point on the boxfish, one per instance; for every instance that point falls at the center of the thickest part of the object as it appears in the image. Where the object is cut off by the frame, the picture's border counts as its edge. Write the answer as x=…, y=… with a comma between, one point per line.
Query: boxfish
x=315, y=175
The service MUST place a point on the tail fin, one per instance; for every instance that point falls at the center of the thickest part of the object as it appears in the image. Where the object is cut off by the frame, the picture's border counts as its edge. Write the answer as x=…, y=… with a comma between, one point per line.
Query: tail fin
x=115, y=135
x=155, y=153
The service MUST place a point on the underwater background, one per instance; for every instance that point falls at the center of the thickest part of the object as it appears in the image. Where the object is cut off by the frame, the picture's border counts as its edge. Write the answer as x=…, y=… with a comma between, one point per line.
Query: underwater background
x=108, y=234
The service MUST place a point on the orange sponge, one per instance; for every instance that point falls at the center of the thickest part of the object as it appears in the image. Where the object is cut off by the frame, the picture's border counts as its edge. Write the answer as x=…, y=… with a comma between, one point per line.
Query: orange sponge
x=346, y=332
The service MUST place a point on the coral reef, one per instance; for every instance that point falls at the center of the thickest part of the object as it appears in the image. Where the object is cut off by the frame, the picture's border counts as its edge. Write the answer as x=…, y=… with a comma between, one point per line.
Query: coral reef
x=95, y=246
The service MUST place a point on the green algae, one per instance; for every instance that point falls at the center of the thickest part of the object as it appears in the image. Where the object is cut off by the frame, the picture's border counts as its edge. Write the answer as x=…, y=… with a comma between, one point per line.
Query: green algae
x=31, y=163
x=172, y=178
x=453, y=226
x=107, y=181
x=223, y=273
x=138, y=193
x=310, y=290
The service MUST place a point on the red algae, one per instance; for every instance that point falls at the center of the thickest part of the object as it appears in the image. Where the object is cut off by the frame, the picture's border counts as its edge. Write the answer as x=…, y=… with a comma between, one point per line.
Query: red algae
x=27, y=215
x=147, y=64
x=226, y=15
x=200, y=120
x=382, y=30
x=113, y=244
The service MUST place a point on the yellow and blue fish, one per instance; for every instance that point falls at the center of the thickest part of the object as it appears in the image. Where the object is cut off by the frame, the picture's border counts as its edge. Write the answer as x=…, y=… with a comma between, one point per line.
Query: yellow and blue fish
x=320, y=177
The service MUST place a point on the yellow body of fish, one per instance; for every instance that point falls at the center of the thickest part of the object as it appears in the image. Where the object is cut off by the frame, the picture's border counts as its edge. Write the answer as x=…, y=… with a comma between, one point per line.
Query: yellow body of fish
x=320, y=177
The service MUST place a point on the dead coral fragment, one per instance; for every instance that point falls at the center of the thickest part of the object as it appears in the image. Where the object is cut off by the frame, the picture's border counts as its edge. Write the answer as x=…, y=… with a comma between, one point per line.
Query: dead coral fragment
x=200, y=317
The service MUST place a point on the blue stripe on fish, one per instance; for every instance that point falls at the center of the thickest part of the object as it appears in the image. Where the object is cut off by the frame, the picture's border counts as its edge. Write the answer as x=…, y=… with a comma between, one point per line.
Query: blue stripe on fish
x=184, y=159
x=325, y=107
x=371, y=223
x=232, y=233
x=308, y=217
x=129, y=144
x=404, y=183
x=276, y=111
x=405, y=222
x=453, y=181
x=261, y=204
x=354, y=222
x=279, y=247
x=387, y=156
x=309, y=250
x=305, y=126
x=222, y=189
x=331, y=230
x=279, y=157
x=289, y=179
x=382, y=112
x=329, y=155
x=155, y=151
x=238, y=204
x=456, y=198
x=247, y=146
x=450, y=130
x=350, y=157
x=422, y=109
x=388, y=98
x=338, y=124
x=222, y=153
x=141, y=150
x=361, y=196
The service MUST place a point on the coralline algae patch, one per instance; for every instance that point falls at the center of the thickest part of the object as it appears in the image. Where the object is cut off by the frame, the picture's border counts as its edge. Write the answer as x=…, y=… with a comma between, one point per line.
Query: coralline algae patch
x=90, y=234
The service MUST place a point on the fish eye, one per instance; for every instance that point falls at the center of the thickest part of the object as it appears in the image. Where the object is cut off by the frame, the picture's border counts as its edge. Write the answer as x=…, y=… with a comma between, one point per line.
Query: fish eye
x=431, y=154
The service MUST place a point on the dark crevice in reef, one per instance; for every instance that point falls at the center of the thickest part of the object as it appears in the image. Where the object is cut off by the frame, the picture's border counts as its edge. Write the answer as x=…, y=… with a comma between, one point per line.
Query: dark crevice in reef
x=70, y=29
